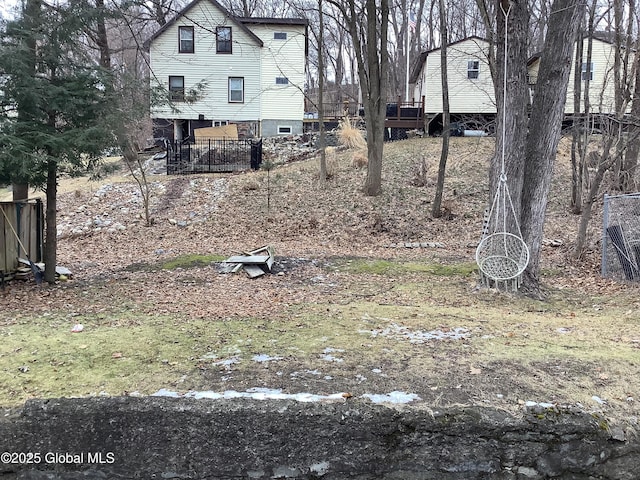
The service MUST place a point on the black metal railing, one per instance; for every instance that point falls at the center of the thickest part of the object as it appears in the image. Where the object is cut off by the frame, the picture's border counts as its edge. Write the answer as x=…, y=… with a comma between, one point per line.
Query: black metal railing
x=213, y=155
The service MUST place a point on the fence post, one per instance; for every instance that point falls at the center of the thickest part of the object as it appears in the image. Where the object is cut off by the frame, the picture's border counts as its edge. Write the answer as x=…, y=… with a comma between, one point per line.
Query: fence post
x=605, y=237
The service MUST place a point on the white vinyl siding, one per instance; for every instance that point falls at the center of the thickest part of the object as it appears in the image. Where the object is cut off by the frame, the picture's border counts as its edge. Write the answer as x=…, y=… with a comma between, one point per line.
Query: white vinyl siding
x=601, y=88
x=208, y=69
x=470, y=84
x=282, y=59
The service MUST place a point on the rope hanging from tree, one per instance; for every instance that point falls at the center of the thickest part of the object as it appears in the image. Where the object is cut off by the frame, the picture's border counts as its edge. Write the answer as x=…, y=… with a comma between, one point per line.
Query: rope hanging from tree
x=502, y=255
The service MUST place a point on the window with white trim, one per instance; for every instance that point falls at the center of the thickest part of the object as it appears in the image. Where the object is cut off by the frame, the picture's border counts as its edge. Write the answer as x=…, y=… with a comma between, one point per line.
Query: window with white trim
x=236, y=90
x=284, y=130
x=185, y=39
x=473, y=69
x=176, y=88
x=587, y=70
x=223, y=40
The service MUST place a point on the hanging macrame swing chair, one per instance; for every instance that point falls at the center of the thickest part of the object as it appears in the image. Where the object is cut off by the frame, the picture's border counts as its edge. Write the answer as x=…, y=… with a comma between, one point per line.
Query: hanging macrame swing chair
x=502, y=255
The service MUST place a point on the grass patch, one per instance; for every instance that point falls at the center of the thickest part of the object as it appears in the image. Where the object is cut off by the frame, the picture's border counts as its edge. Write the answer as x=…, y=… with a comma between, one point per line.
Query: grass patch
x=393, y=267
x=191, y=261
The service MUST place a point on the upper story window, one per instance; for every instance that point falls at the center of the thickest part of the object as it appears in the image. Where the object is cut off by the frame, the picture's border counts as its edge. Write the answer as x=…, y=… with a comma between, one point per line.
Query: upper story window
x=236, y=90
x=223, y=40
x=473, y=69
x=176, y=88
x=282, y=81
x=186, y=39
x=587, y=71
x=279, y=35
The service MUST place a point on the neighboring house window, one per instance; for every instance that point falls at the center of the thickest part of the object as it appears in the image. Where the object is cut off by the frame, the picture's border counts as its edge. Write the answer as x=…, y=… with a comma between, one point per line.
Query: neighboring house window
x=223, y=40
x=236, y=89
x=220, y=123
x=176, y=88
x=186, y=39
x=279, y=35
x=282, y=81
x=586, y=72
x=473, y=69
x=282, y=130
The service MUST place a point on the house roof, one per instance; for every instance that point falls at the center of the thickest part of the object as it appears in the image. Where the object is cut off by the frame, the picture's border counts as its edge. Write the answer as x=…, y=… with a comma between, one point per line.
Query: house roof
x=239, y=21
x=274, y=21
x=417, y=66
x=604, y=37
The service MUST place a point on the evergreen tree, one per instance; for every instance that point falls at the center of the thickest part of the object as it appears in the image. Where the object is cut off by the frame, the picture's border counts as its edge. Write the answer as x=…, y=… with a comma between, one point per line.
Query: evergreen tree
x=54, y=103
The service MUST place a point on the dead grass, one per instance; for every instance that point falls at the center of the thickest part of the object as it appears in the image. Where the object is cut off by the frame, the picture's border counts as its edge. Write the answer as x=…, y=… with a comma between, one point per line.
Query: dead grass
x=341, y=284
x=350, y=136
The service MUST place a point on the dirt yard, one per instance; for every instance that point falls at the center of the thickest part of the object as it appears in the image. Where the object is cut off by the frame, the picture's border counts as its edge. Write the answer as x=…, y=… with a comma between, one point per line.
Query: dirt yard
x=369, y=296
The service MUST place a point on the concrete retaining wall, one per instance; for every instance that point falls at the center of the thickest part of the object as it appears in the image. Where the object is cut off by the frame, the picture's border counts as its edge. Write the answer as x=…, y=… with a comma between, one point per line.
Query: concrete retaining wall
x=167, y=438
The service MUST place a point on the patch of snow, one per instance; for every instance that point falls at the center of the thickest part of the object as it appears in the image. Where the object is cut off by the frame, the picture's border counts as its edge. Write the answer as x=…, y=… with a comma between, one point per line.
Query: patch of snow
x=227, y=362
x=392, y=397
x=256, y=393
x=331, y=358
x=259, y=393
x=163, y=392
x=261, y=358
x=418, y=336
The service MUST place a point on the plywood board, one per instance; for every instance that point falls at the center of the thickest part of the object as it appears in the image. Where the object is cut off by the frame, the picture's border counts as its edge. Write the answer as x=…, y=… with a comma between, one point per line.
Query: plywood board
x=230, y=132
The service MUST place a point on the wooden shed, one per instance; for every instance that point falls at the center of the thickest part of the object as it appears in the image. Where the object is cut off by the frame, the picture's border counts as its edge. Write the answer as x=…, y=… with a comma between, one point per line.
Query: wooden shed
x=21, y=235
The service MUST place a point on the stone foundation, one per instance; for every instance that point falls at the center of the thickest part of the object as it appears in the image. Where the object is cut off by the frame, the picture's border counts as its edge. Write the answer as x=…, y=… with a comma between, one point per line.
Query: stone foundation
x=169, y=438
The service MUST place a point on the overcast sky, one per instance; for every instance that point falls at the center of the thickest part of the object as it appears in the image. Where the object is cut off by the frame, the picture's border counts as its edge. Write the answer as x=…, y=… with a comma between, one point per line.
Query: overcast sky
x=6, y=6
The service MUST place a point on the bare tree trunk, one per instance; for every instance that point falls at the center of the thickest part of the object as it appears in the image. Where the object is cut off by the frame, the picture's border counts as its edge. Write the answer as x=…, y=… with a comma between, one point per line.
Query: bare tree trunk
x=545, y=127
x=51, y=231
x=376, y=94
x=436, y=208
x=512, y=97
x=633, y=148
x=323, y=150
x=578, y=130
x=604, y=164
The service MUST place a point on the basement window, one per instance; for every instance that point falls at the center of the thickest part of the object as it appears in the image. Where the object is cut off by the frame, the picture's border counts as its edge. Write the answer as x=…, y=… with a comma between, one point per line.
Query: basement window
x=284, y=130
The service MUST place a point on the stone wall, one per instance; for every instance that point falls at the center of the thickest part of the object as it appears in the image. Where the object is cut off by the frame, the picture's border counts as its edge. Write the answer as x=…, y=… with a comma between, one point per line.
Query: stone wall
x=168, y=438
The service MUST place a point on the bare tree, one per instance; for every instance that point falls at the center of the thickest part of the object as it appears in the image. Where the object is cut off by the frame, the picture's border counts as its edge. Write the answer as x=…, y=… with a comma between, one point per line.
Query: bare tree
x=614, y=135
x=545, y=126
x=368, y=29
x=436, y=210
x=321, y=69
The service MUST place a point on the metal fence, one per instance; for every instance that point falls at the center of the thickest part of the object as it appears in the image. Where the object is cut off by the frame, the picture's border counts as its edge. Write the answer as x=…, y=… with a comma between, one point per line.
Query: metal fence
x=621, y=237
x=213, y=155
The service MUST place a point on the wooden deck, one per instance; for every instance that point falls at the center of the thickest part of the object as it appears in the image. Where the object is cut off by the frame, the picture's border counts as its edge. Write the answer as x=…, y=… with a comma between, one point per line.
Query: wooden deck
x=400, y=114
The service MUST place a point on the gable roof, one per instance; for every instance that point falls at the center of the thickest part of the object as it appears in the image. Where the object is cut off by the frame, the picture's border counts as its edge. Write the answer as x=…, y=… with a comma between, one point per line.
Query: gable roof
x=599, y=36
x=417, y=66
x=237, y=21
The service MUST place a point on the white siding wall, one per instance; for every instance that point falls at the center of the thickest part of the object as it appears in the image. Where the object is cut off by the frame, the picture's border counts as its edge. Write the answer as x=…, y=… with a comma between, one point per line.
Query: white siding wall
x=465, y=95
x=205, y=65
x=282, y=58
x=601, y=87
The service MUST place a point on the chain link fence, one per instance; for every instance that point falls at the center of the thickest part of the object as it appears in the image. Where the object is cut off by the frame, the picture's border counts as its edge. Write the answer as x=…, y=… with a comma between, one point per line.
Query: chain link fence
x=621, y=237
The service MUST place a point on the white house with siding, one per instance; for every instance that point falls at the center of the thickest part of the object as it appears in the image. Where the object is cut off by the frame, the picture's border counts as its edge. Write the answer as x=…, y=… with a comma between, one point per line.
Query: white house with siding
x=600, y=72
x=212, y=68
x=471, y=90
